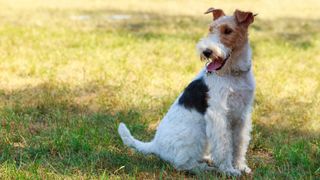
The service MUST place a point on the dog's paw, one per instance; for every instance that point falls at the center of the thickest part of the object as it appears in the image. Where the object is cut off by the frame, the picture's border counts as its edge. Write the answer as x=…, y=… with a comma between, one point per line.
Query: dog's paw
x=244, y=168
x=208, y=161
x=230, y=171
x=233, y=172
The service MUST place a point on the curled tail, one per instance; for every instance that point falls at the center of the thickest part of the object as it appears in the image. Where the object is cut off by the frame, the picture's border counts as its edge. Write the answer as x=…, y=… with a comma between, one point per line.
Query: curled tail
x=129, y=140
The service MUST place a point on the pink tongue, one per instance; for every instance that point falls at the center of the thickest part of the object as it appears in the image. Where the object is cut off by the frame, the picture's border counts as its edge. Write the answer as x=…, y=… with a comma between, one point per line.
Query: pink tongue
x=214, y=65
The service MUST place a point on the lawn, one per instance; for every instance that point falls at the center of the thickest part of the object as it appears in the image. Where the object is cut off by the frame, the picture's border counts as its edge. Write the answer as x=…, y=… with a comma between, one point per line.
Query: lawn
x=71, y=71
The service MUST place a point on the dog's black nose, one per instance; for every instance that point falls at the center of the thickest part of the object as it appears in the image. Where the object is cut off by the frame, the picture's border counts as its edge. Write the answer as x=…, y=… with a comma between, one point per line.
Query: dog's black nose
x=207, y=53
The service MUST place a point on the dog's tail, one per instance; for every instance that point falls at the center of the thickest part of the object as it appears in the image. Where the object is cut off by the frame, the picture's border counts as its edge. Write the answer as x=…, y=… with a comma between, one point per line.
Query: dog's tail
x=129, y=140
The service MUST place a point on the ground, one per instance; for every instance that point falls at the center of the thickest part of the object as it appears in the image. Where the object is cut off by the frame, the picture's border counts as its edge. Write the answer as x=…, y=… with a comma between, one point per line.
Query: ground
x=71, y=71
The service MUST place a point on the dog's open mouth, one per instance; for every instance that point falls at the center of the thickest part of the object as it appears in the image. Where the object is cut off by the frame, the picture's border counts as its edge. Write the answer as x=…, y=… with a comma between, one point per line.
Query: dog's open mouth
x=216, y=64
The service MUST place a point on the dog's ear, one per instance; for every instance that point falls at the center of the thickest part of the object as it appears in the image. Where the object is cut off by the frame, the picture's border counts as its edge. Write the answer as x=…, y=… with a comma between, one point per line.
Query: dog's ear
x=215, y=12
x=244, y=18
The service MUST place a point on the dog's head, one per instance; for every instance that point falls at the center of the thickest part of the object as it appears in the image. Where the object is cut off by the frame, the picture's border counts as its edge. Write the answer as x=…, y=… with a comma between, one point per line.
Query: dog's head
x=227, y=35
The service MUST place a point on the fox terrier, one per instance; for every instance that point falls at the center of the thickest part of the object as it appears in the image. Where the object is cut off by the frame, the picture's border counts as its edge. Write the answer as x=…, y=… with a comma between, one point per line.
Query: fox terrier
x=211, y=119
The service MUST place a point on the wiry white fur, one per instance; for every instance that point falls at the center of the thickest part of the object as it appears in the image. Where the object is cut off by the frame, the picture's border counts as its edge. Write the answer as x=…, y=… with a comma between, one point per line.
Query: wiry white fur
x=184, y=137
x=228, y=122
x=213, y=42
x=144, y=147
x=180, y=138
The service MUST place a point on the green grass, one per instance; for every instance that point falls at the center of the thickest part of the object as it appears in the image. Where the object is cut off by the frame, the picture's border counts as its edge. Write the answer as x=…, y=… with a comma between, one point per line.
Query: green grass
x=65, y=84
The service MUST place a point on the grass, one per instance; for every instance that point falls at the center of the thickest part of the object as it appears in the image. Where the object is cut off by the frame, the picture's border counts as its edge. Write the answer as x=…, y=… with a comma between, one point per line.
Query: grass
x=70, y=71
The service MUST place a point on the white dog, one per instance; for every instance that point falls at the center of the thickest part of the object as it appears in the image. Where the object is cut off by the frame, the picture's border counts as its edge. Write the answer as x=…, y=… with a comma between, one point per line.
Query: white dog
x=211, y=118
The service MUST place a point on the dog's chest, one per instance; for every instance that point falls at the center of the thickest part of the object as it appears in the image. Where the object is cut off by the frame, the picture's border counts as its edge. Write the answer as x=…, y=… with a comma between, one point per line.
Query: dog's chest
x=238, y=99
x=231, y=93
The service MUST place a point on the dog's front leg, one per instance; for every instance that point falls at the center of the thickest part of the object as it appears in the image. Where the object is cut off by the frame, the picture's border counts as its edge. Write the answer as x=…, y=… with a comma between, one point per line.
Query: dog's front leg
x=241, y=138
x=220, y=141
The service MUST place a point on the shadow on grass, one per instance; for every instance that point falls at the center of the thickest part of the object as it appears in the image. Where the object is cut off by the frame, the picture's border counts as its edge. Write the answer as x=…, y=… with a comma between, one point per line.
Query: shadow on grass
x=282, y=143
x=46, y=126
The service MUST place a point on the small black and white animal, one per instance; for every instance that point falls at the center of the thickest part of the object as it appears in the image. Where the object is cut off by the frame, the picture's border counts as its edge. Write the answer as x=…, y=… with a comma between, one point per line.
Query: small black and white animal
x=210, y=120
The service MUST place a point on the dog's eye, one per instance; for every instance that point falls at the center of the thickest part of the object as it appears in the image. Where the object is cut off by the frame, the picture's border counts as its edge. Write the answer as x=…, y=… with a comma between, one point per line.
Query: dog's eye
x=227, y=31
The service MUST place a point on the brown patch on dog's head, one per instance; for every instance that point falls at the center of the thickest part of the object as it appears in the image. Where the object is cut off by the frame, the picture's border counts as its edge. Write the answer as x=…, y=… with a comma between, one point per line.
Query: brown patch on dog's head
x=215, y=12
x=243, y=18
x=232, y=30
x=227, y=38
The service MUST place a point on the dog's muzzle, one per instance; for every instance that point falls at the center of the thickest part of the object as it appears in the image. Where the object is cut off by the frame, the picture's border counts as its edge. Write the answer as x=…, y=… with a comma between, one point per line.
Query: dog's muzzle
x=214, y=62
